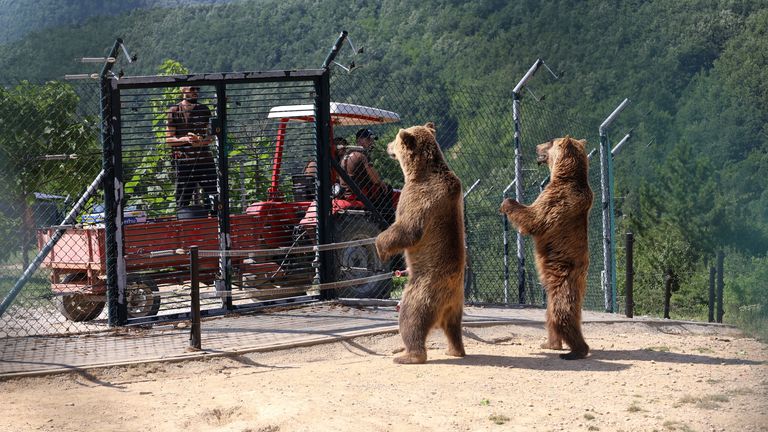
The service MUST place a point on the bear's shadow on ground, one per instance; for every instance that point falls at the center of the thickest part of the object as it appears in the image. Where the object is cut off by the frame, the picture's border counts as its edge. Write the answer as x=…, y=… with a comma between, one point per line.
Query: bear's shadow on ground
x=598, y=360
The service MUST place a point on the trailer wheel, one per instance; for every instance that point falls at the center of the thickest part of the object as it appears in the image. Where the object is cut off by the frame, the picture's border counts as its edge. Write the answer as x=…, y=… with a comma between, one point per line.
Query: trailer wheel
x=143, y=297
x=78, y=307
x=359, y=261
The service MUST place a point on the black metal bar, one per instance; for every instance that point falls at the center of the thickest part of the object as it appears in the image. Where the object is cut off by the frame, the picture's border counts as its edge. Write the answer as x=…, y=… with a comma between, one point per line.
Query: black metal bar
x=194, y=276
x=113, y=215
x=335, y=49
x=222, y=201
x=711, y=302
x=383, y=224
x=667, y=291
x=720, y=286
x=629, y=298
x=209, y=79
x=324, y=220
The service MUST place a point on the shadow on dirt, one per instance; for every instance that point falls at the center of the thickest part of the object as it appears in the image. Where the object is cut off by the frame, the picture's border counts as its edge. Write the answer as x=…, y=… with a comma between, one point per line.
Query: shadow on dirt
x=598, y=360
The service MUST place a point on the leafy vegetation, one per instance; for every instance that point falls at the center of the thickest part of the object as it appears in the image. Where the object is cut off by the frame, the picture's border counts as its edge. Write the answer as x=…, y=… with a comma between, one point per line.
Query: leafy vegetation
x=37, y=121
x=693, y=179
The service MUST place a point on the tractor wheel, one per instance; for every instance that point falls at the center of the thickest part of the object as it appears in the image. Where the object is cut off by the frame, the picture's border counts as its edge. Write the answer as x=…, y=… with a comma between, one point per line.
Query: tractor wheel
x=78, y=307
x=143, y=298
x=359, y=261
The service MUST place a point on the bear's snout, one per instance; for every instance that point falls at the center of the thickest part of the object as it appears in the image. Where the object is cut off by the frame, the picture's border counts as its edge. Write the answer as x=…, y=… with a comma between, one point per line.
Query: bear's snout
x=391, y=150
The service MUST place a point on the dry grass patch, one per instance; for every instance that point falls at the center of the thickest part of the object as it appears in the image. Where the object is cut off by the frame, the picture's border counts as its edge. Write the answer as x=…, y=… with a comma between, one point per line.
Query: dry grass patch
x=704, y=402
x=499, y=419
x=677, y=426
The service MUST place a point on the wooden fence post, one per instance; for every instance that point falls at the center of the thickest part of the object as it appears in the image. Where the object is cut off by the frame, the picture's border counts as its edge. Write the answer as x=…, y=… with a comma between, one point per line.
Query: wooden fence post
x=720, y=286
x=629, y=300
x=711, y=317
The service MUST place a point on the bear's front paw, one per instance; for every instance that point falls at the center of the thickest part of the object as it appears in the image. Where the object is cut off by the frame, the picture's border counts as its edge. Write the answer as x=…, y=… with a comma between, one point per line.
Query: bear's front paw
x=508, y=206
x=380, y=251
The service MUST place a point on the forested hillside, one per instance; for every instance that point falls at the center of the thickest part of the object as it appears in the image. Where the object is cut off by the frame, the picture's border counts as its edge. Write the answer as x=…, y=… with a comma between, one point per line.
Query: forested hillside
x=18, y=18
x=694, y=179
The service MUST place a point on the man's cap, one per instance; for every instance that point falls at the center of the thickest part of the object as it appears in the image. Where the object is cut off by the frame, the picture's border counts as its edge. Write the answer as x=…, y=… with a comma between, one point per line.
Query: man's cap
x=365, y=133
x=194, y=87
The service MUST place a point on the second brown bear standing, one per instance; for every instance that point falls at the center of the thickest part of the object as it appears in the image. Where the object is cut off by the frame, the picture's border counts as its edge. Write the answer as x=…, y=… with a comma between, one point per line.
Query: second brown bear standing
x=557, y=220
x=429, y=227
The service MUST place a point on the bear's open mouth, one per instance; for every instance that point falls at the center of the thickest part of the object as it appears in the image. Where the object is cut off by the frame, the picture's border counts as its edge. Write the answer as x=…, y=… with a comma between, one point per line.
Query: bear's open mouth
x=541, y=158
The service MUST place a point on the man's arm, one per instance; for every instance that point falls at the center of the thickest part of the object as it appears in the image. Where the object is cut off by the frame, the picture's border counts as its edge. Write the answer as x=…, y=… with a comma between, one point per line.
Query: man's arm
x=170, y=132
x=205, y=139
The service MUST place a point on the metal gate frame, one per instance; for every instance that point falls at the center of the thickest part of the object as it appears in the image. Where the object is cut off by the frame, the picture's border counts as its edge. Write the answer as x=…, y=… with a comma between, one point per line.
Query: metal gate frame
x=114, y=197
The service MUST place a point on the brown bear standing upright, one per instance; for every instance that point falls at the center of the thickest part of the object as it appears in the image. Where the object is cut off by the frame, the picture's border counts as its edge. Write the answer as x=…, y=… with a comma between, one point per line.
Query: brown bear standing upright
x=557, y=220
x=429, y=227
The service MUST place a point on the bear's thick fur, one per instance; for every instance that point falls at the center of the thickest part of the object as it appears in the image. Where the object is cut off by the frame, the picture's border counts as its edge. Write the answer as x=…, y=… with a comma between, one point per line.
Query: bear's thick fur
x=429, y=227
x=557, y=220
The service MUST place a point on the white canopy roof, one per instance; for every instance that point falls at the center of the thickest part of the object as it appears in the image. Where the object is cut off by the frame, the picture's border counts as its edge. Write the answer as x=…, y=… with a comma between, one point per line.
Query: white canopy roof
x=342, y=114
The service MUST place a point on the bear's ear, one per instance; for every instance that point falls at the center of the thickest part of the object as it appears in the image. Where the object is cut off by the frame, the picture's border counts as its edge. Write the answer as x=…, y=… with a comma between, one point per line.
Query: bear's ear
x=582, y=143
x=407, y=138
x=431, y=126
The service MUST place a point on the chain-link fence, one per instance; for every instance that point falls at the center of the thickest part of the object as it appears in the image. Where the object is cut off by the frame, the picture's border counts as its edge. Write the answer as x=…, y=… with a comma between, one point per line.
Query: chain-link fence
x=253, y=173
x=50, y=154
x=476, y=132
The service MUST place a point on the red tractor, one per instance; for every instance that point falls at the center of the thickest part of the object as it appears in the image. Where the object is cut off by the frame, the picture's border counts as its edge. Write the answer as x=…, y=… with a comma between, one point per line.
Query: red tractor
x=77, y=262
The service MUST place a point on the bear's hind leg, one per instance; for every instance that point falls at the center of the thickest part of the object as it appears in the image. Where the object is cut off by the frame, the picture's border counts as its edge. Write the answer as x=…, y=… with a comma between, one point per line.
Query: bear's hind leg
x=567, y=323
x=554, y=342
x=575, y=339
x=452, y=329
x=415, y=323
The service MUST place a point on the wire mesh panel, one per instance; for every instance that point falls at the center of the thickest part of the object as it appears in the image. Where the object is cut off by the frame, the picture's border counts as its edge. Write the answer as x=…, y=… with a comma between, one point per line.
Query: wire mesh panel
x=476, y=132
x=50, y=155
x=272, y=142
x=541, y=124
x=169, y=193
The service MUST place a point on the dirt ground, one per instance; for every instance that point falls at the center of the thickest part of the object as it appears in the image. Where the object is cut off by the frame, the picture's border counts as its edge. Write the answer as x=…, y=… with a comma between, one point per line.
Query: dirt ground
x=639, y=377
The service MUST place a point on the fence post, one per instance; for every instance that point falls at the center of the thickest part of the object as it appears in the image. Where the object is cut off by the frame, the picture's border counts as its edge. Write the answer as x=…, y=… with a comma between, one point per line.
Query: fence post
x=519, y=191
x=609, y=281
x=117, y=308
x=469, y=274
x=667, y=291
x=325, y=223
x=505, y=233
x=219, y=126
x=711, y=316
x=194, y=276
x=629, y=305
x=720, y=286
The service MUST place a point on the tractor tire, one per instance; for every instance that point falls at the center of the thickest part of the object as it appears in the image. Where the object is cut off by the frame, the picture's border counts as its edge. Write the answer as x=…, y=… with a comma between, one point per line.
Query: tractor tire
x=143, y=297
x=78, y=307
x=359, y=261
